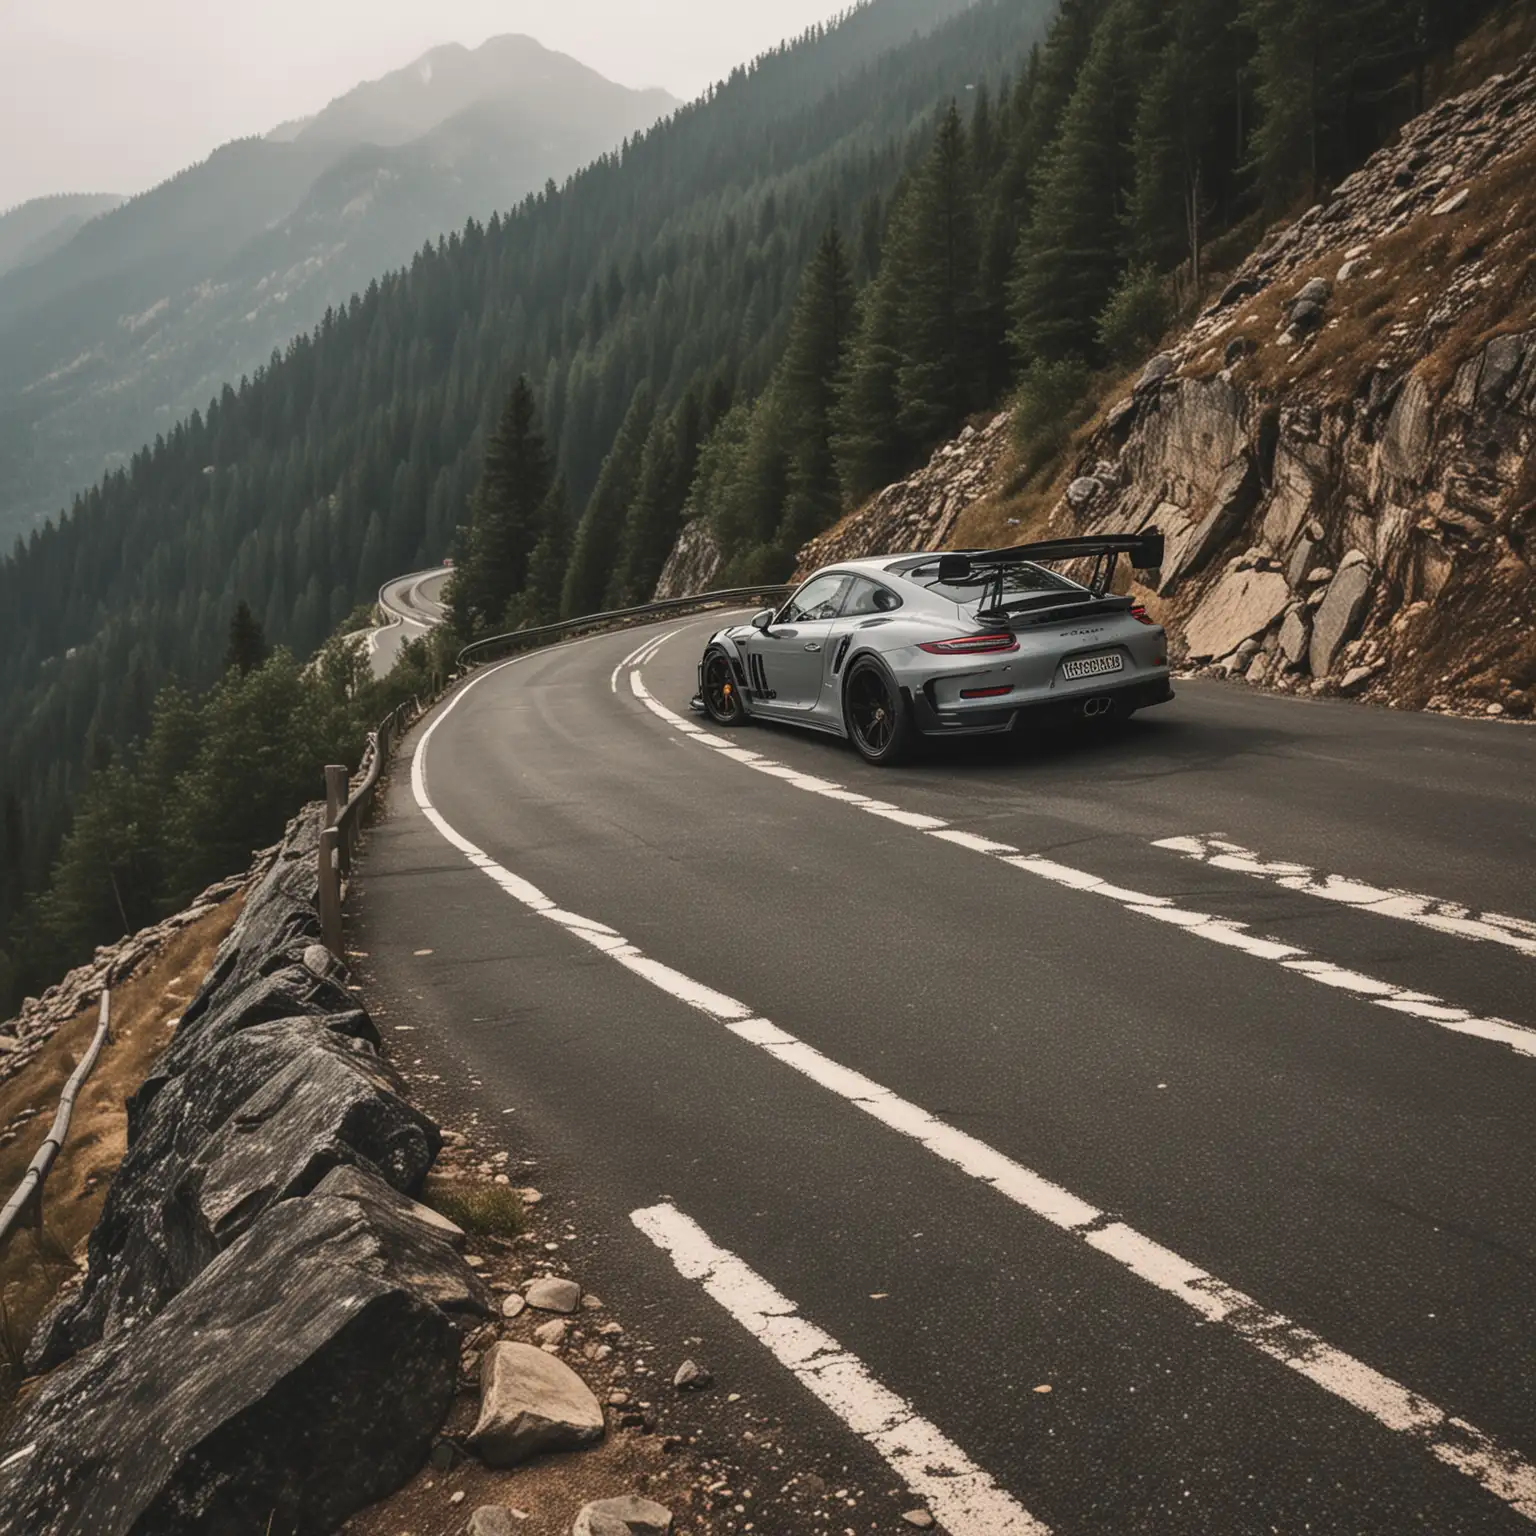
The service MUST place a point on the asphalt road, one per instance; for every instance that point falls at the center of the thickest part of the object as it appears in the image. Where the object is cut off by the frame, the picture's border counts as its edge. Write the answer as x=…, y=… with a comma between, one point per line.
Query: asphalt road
x=1234, y=1157
x=413, y=606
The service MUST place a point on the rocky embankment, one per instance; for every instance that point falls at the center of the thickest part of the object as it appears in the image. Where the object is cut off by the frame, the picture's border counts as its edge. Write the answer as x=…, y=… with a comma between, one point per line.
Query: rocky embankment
x=268, y=1334
x=1338, y=448
x=272, y=1333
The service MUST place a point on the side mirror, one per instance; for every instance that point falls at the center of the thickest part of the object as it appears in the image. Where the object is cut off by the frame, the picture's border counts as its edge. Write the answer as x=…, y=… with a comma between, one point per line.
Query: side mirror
x=763, y=620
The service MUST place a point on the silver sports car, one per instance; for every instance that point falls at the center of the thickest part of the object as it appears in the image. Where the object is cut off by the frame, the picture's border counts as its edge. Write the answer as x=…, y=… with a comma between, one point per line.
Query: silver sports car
x=965, y=644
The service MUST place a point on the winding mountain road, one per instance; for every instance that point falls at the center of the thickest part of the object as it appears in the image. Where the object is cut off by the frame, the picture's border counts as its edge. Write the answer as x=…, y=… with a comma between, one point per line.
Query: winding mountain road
x=413, y=607
x=1137, y=1151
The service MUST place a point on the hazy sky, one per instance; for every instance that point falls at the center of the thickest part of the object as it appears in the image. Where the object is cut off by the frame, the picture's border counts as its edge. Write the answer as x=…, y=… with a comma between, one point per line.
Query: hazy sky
x=116, y=95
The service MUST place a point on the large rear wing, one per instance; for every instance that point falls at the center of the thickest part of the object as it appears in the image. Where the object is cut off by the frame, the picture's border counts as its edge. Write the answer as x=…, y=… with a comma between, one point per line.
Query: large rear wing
x=1145, y=550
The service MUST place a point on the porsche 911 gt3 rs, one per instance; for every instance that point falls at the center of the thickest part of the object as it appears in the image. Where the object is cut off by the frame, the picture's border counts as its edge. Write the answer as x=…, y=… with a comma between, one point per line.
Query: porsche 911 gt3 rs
x=884, y=651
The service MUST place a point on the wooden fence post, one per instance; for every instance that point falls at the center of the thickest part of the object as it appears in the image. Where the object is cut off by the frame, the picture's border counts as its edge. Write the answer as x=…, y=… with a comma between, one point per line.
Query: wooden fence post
x=330, y=892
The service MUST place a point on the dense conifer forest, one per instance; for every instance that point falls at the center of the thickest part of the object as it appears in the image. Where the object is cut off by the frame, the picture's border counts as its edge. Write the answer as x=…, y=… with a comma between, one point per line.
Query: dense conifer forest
x=758, y=313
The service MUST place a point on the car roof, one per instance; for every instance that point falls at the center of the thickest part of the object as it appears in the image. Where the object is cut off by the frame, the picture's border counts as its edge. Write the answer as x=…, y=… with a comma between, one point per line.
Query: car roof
x=883, y=565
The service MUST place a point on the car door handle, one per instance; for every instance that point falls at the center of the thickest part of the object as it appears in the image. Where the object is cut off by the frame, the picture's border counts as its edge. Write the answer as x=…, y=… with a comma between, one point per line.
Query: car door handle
x=812, y=645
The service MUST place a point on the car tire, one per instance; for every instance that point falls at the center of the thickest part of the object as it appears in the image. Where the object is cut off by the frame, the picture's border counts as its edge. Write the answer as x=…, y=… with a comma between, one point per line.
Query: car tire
x=877, y=715
x=721, y=692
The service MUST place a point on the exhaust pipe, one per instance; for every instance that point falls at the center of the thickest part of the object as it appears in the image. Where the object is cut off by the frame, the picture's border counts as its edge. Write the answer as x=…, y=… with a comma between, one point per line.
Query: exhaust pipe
x=1093, y=709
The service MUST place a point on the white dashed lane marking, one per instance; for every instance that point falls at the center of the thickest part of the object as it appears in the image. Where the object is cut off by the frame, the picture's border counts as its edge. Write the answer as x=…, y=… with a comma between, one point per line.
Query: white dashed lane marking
x=963, y=1498
x=1504, y=1472
x=1201, y=925
x=1451, y=917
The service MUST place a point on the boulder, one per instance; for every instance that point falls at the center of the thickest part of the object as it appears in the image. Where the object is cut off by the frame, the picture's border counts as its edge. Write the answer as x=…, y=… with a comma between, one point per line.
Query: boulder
x=1083, y=490
x=293, y=991
x=1237, y=349
x=531, y=1402
x=1234, y=498
x=1156, y=371
x=1301, y=562
x=628, y=1516
x=299, y=1378
x=351, y=1183
x=1502, y=360
x=1242, y=604
x=1295, y=636
x=496, y=1520
x=1305, y=317
x=553, y=1293
x=1339, y=615
x=1318, y=291
x=280, y=917
x=265, y=1114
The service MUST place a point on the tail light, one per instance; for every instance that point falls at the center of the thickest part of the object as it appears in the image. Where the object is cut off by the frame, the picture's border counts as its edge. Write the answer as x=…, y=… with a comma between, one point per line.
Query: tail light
x=1141, y=616
x=973, y=645
x=985, y=693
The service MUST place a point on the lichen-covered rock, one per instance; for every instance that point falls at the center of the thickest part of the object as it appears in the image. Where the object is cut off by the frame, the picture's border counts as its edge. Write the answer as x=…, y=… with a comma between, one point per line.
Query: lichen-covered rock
x=263, y=1115
x=299, y=1378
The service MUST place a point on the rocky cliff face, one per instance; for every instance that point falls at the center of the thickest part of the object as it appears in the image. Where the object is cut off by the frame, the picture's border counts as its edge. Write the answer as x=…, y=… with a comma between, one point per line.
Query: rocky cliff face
x=922, y=512
x=1338, y=447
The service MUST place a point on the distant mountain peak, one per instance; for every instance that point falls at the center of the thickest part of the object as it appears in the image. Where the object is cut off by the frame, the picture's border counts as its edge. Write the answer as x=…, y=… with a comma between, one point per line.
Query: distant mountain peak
x=449, y=80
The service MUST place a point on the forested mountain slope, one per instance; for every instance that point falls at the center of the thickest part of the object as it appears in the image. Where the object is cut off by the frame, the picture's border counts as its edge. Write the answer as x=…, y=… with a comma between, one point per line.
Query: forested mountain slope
x=755, y=316
x=36, y=229
x=145, y=313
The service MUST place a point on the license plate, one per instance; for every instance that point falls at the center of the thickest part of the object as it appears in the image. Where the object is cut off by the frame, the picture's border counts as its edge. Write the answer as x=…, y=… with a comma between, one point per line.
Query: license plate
x=1093, y=666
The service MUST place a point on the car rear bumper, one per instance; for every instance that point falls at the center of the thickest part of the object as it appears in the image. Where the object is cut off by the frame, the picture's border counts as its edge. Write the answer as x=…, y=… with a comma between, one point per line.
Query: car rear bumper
x=1103, y=704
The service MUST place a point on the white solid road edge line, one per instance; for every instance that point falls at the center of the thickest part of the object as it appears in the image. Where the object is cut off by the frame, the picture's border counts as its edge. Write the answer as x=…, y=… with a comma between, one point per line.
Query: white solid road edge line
x=962, y=1497
x=1434, y=912
x=1202, y=925
x=1502, y=1471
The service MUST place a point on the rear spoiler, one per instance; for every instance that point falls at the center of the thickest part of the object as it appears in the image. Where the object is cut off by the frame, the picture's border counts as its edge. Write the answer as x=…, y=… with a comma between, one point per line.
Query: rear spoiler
x=1145, y=550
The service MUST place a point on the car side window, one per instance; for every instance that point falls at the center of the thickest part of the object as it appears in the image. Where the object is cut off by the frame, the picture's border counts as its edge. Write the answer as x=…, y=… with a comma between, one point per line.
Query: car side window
x=820, y=598
x=869, y=598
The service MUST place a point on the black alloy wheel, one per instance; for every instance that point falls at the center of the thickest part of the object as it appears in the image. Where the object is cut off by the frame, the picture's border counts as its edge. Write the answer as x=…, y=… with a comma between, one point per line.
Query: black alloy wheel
x=878, y=716
x=722, y=694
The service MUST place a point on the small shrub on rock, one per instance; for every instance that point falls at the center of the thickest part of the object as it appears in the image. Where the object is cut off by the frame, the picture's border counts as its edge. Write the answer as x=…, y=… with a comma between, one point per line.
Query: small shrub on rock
x=1052, y=400
x=1136, y=316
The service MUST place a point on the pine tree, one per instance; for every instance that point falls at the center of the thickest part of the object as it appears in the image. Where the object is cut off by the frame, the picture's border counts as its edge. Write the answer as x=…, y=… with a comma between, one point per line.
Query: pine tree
x=540, y=600
x=1320, y=68
x=807, y=384
x=1073, y=248
x=1186, y=144
x=869, y=443
x=504, y=517
x=247, y=641
x=940, y=377
x=652, y=521
x=601, y=529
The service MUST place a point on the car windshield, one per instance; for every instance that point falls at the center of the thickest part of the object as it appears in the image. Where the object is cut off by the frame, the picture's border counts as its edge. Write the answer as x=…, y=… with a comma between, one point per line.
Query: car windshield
x=1021, y=580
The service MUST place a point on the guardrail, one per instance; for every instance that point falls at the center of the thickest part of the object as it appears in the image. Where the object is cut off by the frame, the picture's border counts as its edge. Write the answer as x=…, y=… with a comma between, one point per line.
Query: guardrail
x=483, y=651
x=345, y=814
x=26, y=1205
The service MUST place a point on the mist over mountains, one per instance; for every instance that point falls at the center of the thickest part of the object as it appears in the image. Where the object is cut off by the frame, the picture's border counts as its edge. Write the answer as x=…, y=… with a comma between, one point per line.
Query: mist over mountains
x=32, y=231
x=141, y=312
